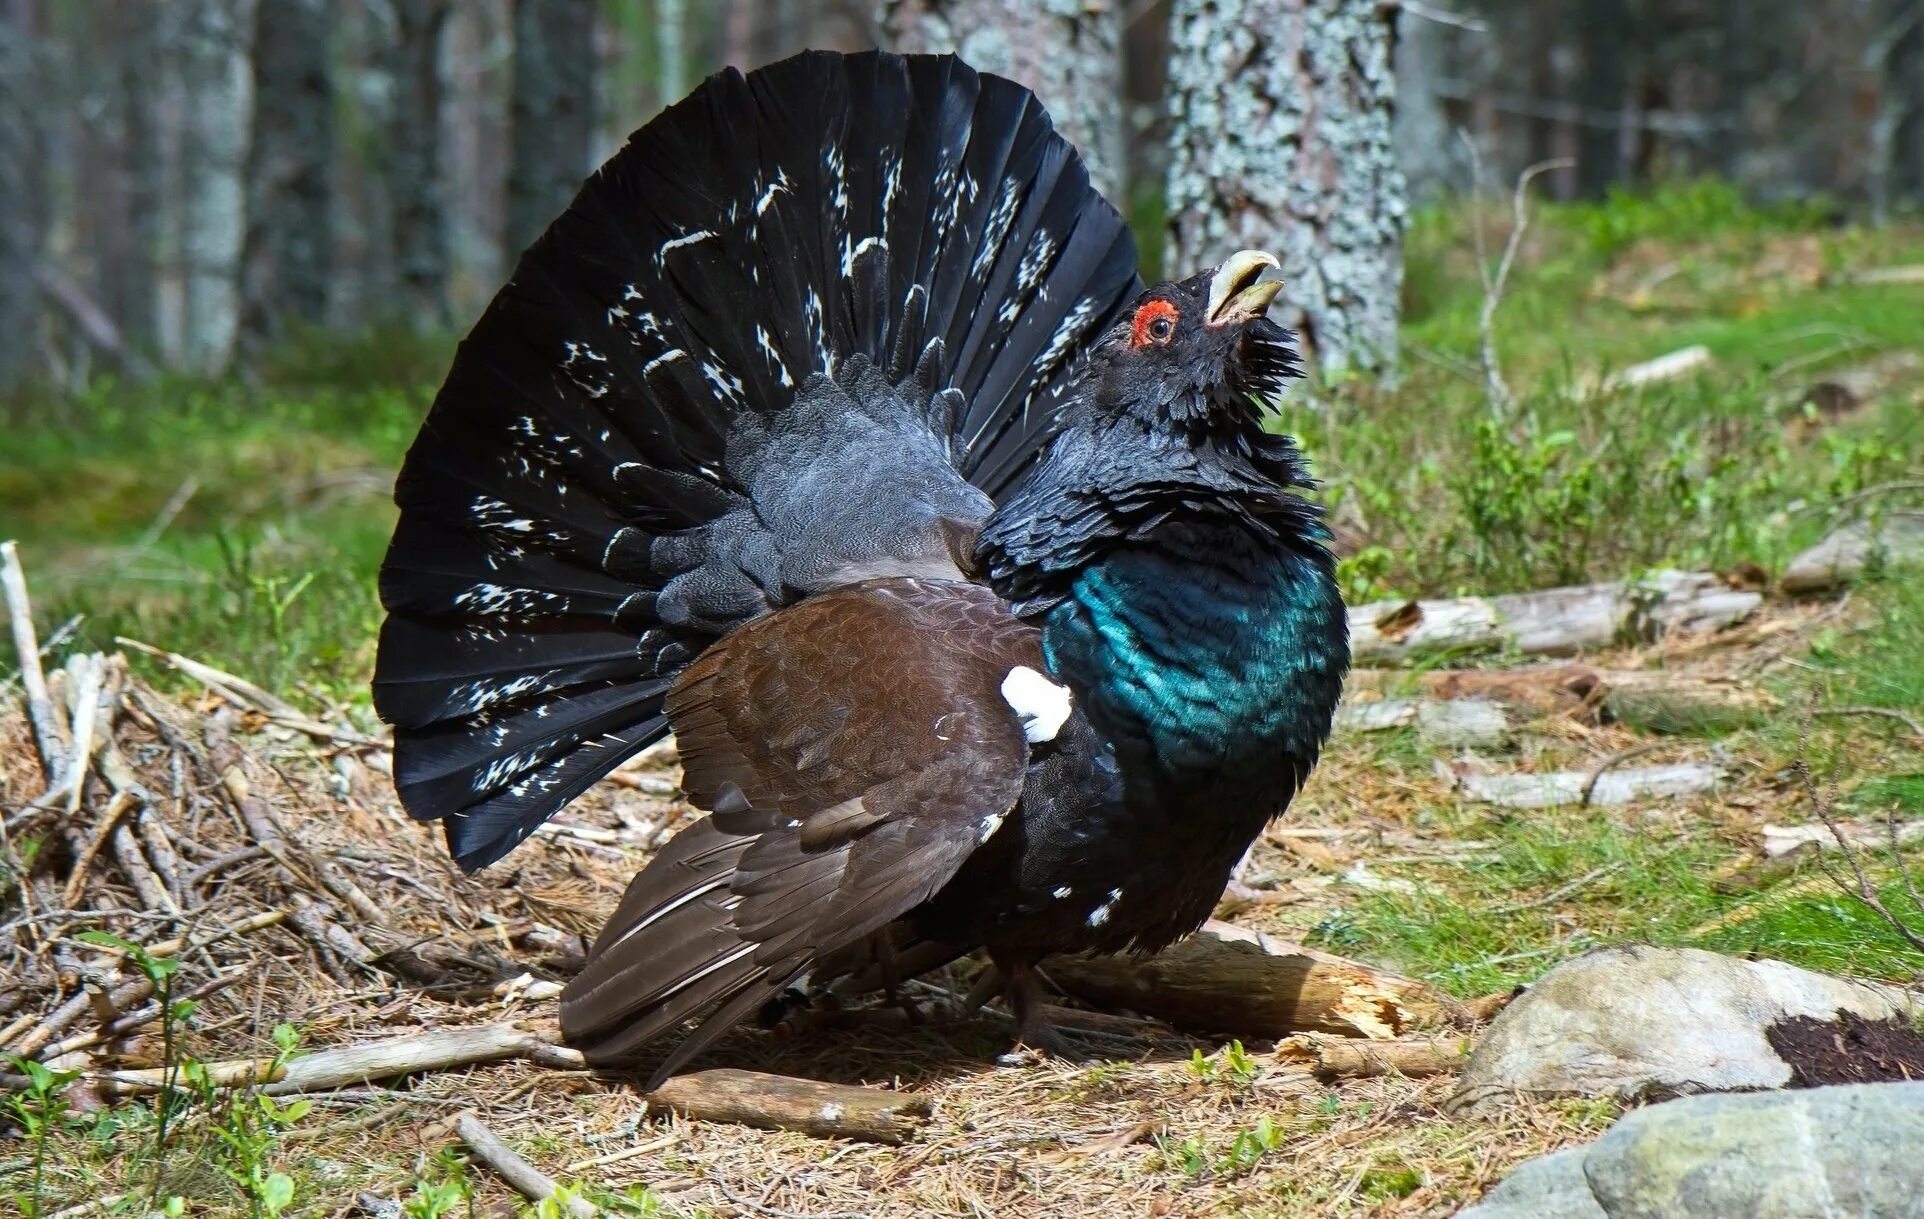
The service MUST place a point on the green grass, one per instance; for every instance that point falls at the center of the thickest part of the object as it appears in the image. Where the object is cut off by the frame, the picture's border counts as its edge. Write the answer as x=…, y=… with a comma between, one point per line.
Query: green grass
x=1485, y=924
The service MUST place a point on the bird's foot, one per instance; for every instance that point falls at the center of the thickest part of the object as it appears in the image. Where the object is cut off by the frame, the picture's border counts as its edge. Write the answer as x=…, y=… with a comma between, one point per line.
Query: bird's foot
x=1036, y=1040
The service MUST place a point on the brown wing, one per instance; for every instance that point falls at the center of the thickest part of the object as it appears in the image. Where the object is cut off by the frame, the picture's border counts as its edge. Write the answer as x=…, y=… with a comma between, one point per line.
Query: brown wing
x=853, y=749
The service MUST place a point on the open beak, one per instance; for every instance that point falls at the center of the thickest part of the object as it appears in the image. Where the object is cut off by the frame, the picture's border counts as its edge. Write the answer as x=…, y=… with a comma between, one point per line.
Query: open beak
x=1235, y=295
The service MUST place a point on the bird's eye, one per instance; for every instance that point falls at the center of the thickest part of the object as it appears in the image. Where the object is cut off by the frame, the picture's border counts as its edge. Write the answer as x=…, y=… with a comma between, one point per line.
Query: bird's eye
x=1154, y=323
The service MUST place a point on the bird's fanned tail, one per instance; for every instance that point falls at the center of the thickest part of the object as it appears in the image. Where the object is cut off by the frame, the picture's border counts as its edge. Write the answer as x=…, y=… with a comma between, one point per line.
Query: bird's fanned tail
x=683, y=410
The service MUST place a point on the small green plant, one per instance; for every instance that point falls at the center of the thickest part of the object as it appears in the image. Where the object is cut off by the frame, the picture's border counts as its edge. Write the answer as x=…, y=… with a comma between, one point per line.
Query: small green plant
x=1234, y=1065
x=249, y=1124
x=40, y=1110
x=174, y=1014
x=1194, y=1157
x=1394, y=1179
x=441, y=1188
x=1253, y=1144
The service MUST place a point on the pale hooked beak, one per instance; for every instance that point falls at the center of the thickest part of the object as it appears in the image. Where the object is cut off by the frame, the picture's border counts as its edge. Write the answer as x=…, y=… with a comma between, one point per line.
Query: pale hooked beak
x=1235, y=295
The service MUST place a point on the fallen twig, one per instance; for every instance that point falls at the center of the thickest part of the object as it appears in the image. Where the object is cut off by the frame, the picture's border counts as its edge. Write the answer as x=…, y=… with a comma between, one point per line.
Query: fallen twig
x=527, y=1180
x=33, y=679
x=1889, y=713
x=1359, y=1058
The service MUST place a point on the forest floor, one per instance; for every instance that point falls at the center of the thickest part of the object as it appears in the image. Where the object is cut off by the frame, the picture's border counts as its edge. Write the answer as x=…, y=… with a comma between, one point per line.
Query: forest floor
x=241, y=524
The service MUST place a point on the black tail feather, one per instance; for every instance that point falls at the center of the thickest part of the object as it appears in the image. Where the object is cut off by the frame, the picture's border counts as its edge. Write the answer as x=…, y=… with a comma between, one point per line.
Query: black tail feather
x=577, y=519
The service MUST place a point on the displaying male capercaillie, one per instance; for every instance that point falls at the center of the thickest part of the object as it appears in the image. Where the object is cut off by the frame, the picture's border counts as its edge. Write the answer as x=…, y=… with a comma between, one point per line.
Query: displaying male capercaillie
x=831, y=429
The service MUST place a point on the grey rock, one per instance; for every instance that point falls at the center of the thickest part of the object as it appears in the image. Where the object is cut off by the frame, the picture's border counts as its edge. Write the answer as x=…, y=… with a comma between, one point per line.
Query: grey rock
x=1645, y=1023
x=1548, y=1187
x=1849, y=1152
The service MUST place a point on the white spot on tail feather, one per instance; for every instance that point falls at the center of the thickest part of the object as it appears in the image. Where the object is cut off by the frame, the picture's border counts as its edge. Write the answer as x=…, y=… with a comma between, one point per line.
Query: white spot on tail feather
x=1041, y=704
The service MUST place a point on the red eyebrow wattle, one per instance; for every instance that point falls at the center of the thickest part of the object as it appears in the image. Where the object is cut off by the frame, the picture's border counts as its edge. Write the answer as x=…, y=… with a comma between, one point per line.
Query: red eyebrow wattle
x=1139, y=329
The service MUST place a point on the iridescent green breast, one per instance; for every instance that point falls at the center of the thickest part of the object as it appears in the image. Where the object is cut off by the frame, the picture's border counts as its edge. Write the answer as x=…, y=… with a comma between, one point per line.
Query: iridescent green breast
x=1209, y=654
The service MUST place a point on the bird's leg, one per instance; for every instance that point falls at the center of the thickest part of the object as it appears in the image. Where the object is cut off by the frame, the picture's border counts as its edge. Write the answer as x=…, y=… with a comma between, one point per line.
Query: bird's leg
x=891, y=976
x=1035, y=1037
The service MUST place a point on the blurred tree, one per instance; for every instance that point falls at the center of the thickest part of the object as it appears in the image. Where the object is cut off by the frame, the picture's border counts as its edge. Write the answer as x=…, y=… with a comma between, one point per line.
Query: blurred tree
x=1281, y=114
x=288, y=255
x=671, y=20
x=22, y=209
x=551, y=112
x=411, y=166
x=1903, y=81
x=1068, y=51
x=218, y=94
x=131, y=206
x=1426, y=145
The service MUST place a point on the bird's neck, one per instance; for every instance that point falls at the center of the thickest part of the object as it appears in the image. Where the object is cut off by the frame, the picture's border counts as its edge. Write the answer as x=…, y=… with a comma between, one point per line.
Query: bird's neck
x=1210, y=653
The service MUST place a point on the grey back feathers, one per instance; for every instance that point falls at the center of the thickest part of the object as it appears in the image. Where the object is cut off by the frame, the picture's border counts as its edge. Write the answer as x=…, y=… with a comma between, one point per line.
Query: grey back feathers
x=800, y=332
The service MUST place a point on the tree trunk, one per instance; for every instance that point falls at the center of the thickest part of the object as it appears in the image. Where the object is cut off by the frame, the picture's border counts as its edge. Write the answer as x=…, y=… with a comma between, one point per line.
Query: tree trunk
x=1068, y=51
x=21, y=203
x=218, y=94
x=129, y=244
x=552, y=114
x=417, y=201
x=1426, y=148
x=1282, y=113
x=671, y=28
x=290, y=171
x=1904, y=81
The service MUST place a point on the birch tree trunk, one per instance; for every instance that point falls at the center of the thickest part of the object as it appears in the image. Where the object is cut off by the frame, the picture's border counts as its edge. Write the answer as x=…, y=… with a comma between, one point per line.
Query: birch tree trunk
x=217, y=86
x=411, y=170
x=671, y=28
x=21, y=204
x=1281, y=139
x=551, y=114
x=1068, y=51
x=290, y=169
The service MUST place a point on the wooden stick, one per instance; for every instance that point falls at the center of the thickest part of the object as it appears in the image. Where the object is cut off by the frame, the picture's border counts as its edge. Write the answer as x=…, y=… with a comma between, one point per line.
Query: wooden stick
x=33, y=679
x=245, y=693
x=527, y=1180
x=109, y=820
x=1360, y=1058
x=781, y=1102
x=1225, y=979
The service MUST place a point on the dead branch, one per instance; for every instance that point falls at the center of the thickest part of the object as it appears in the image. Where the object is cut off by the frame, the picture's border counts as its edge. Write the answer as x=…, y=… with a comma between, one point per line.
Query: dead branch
x=1917, y=729
x=1361, y=1058
x=527, y=1180
x=1502, y=401
x=781, y=1102
x=1225, y=979
x=33, y=679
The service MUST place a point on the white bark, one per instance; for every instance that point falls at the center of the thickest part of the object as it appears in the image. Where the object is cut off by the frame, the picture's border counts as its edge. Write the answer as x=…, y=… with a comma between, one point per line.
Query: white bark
x=217, y=85
x=1068, y=51
x=1281, y=139
x=1554, y=622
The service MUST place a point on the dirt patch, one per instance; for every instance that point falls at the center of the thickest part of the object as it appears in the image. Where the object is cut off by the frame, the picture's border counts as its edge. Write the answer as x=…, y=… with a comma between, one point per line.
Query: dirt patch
x=1851, y=1050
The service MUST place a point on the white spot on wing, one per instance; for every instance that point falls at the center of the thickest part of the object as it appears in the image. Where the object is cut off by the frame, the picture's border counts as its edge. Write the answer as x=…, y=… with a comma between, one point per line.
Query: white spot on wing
x=1100, y=914
x=1041, y=704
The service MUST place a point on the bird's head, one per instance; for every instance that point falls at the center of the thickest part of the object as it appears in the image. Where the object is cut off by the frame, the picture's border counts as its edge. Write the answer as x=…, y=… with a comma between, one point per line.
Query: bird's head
x=1196, y=352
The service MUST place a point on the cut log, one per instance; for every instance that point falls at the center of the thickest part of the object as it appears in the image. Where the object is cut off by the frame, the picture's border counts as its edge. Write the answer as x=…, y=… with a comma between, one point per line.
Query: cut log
x=1669, y=703
x=806, y=1106
x=1225, y=979
x=1846, y=553
x=1554, y=622
x=1361, y=1058
x=1550, y=789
